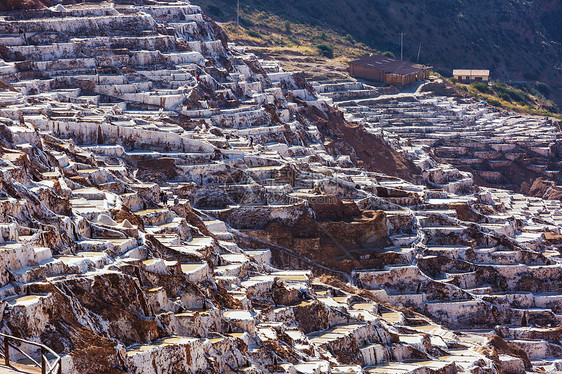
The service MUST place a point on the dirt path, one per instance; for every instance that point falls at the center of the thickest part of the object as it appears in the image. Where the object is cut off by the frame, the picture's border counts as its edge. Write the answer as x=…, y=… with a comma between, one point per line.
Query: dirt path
x=15, y=368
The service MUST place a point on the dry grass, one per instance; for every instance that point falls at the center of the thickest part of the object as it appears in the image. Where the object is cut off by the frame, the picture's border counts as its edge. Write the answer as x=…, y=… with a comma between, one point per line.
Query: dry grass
x=271, y=32
x=297, y=50
x=532, y=105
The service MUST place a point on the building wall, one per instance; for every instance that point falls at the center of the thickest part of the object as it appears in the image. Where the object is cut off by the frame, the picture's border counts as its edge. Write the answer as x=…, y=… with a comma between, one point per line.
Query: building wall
x=395, y=79
x=402, y=80
x=358, y=71
x=472, y=78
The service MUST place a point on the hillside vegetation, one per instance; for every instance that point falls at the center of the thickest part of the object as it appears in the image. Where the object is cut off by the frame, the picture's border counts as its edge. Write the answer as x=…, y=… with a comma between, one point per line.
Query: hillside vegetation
x=271, y=31
x=320, y=53
x=517, y=40
x=527, y=98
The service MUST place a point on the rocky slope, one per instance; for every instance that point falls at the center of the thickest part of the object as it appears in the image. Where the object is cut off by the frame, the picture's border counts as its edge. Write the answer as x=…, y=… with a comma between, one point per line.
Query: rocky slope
x=171, y=203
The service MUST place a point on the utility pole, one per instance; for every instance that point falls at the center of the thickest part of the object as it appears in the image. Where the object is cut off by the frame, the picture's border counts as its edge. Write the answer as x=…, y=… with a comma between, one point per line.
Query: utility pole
x=237, y=17
x=419, y=50
x=402, y=45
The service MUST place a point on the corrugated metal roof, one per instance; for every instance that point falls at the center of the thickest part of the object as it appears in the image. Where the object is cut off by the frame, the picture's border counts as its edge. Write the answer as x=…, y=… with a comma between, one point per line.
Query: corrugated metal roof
x=389, y=65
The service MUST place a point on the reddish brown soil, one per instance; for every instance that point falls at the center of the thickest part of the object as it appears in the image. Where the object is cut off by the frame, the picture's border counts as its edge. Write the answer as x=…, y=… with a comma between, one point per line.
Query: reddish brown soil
x=368, y=150
x=543, y=188
x=163, y=166
x=3, y=85
x=329, y=207
x=500, y=346
x=311, y=317
x=119, y=215
x=337, y=244
x=553, y=238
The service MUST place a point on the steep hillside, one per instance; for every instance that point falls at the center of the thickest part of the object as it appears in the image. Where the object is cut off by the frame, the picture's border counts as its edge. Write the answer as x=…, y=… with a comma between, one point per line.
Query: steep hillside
x=517, y=40
x=23, y=4
x=526, y=98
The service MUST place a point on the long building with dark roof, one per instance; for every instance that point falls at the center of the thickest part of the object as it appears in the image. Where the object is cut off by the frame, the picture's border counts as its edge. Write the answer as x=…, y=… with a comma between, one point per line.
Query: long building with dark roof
x=389, y=70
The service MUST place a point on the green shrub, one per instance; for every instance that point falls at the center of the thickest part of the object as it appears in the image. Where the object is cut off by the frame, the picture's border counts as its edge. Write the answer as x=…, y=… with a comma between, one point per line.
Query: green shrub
x=287, y=27
x=294, y=40
x=543, y=89
x=552, y=108
x=504, y=96
x=482, y=87
x=388, y=54
x=508, y=94
x=246, y=22
x=499, y=87
x=494, y=102
x=326, y=50
x=519, y=96
x=253, y=34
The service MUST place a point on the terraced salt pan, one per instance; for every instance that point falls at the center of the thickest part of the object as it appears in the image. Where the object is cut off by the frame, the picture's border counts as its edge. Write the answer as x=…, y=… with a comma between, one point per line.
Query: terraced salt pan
x=167, y=341
x=26, y=300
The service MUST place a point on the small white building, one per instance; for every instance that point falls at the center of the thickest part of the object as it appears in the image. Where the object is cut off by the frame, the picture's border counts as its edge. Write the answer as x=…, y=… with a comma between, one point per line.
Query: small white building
x=471, y=75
